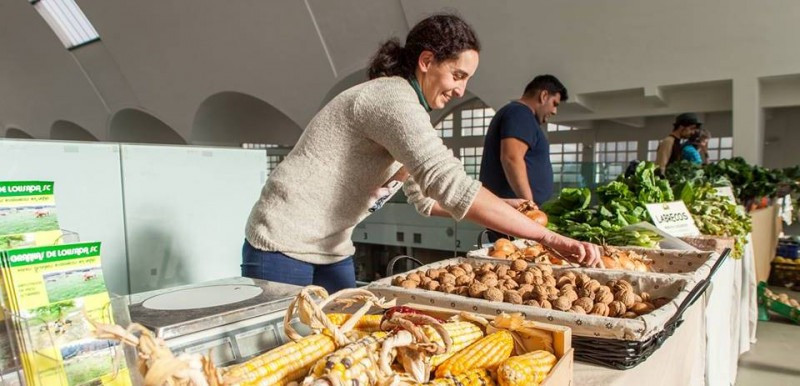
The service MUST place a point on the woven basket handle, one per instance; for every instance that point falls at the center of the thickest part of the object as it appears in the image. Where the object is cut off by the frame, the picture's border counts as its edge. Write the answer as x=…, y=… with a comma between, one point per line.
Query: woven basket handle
x=700, y=288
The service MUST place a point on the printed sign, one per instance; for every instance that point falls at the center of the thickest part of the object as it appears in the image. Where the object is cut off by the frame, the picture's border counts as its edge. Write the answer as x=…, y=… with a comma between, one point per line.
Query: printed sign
x=673, y=218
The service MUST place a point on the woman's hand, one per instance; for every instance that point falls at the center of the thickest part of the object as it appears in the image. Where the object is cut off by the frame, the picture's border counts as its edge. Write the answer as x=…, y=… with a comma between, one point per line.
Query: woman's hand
x=515, y=202
x=581, y=252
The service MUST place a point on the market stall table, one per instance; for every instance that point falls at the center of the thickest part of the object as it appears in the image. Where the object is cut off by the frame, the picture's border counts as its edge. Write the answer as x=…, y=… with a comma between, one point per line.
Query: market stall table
x=680, y=361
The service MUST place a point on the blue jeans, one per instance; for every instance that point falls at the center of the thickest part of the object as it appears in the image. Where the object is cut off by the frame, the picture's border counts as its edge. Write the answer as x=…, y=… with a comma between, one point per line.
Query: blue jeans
x=275, y=266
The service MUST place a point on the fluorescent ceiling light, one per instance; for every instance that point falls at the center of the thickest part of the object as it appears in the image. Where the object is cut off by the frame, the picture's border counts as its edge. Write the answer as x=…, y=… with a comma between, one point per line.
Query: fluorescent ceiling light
x=67, y=20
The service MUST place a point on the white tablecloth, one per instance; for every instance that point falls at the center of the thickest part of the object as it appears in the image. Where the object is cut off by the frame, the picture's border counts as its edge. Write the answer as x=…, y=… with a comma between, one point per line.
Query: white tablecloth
x=680, y=361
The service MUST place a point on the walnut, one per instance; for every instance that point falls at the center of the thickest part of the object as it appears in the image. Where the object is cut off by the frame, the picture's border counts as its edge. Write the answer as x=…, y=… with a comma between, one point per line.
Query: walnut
x=578, y=310
x=538, y=280
x=425, y=281
x=525, y=288
x=432, y=285
x=486, y=276
x=546, y=304
x=493, y=294
x=434, y=273
x=409, y=284
x=600, y=309
x=398, y=280
x=562, y=303
x=519, y=265
x=545, y=268
x=448, y=288
x=585, y=293
x=616, y=309
x=549, y=281
x=571, y=275
x=645, y=296
x=491, y=282
x=476, y=289
x=611, y=283
x=532, y=303
x=415, y=277
x=604, y=297
x=463, y=280
x=637, y=298
x=447, y=278
x=535, y=271
x=512, y=297
x=568, y=287
x=592, y=285
x=629, y=315
x=486, y=267
x=622, y=285
x=660, y=302
x=552, y=298
x=512, y=274
x=564, y=280
x=585, y=303
x=510, y=283
x=582, y=279
x=552, y=291
x=642, y=308
x=466, y=267
x=457, y=271
x=501, y=270
x=463, y=290
x=571, y=295
x=526, y=278
x=626, y=297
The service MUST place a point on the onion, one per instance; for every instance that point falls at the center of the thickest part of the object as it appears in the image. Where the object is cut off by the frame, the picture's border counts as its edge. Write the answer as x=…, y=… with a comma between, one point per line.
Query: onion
x=498, y=254
x=505, y=245
x=537, y=216
x=626, y=263
x=610, y=263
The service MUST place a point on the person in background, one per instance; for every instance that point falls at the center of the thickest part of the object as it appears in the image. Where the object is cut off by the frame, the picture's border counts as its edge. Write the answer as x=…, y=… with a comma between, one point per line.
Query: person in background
x=516, y=153
x=695, y=148
x=300, y=229
x=669, y=149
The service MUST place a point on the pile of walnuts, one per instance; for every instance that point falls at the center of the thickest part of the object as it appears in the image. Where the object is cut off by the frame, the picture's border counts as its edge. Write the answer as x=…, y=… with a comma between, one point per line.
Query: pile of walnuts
x=537, y=286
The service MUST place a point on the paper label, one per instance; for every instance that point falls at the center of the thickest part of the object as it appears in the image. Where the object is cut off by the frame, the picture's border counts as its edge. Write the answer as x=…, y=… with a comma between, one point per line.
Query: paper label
x=673, y=218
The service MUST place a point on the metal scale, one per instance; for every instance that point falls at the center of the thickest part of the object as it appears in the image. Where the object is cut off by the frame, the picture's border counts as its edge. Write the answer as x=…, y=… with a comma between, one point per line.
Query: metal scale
x=235, y=318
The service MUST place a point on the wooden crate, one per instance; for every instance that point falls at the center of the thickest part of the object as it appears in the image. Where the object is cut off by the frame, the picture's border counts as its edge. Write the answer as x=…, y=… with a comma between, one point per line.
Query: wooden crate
x=561, y=374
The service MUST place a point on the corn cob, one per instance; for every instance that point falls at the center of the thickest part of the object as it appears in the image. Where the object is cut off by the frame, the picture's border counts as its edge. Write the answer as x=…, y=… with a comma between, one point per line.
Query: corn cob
x=368, y=323
x=477, y=377
x=463, y=334
x=347, y=362
x=528, y=369
x=284, y=364
x=486, y=353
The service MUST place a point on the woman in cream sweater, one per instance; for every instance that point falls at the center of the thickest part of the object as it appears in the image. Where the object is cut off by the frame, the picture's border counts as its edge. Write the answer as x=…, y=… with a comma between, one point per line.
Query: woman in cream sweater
x=300, y=229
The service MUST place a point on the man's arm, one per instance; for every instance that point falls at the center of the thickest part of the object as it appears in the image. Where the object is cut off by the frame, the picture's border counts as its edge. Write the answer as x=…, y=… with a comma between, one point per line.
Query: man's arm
x=512, y=157
x=663, y=153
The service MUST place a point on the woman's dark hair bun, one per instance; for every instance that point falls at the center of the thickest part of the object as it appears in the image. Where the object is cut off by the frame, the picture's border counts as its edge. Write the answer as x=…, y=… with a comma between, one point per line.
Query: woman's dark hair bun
x=445, y=35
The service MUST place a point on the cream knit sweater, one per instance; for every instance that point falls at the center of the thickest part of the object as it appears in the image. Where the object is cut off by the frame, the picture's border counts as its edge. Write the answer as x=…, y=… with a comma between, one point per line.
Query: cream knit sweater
x=316, y=196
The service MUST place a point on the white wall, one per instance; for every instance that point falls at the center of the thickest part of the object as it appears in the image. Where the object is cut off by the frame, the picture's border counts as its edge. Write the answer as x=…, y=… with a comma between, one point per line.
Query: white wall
x=782, y=136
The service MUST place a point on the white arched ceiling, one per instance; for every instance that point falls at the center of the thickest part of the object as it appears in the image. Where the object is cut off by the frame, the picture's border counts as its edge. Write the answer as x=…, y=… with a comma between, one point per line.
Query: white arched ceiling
x=70, y=131
x=233, y=118
x=132, y=125
x=41, y=81
x=17, y=133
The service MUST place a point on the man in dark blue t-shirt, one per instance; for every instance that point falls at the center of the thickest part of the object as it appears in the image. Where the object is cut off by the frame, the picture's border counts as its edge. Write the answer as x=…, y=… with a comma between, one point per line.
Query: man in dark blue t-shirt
x=516, y=154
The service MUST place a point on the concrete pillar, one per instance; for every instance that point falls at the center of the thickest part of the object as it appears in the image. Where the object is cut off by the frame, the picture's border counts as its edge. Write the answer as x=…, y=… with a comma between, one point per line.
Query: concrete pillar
x=748, y=120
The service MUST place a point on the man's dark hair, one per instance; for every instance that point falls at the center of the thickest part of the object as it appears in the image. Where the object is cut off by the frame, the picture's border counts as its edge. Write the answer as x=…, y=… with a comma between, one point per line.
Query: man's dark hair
x=548, y=83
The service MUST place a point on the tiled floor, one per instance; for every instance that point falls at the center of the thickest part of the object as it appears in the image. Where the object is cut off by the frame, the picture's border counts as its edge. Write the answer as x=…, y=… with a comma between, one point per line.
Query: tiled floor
x=775, y=358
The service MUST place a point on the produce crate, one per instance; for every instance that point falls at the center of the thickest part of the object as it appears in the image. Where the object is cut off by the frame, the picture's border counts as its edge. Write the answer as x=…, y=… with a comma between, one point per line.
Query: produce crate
x=695, y=264
x=785, y=273
x=561, y=374
x=710, y=243
x=766, y=304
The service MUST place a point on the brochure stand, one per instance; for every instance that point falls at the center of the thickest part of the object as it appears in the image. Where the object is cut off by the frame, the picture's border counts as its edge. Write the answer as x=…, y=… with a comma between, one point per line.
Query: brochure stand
x=46, y=334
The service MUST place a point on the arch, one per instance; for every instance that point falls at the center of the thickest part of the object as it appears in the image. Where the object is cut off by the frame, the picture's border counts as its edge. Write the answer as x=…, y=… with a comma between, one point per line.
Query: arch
x=233, y=118
x=66, y=130
x=348, y=81
x=132, y=125
x=13, y=132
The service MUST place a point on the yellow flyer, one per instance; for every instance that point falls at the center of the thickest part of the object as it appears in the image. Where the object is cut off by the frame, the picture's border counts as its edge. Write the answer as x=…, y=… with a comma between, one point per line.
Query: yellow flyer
x=27, y=214
x=50, y=288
